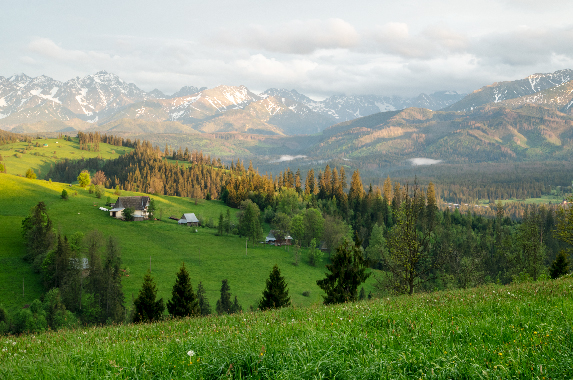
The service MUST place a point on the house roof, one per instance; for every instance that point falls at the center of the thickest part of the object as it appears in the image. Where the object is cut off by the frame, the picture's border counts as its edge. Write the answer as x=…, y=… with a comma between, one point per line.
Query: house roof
x=189, y=218
x=270, y=237
x=136, y=203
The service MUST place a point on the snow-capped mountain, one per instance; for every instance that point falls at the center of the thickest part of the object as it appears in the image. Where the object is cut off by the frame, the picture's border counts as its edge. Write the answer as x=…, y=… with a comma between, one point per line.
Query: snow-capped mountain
x=502, y=91
x=344, y=108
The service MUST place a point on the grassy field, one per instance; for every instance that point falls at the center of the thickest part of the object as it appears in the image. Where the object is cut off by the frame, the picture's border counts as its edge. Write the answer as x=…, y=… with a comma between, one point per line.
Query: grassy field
x=18, y=159
x=520, y=331
x=209, y=258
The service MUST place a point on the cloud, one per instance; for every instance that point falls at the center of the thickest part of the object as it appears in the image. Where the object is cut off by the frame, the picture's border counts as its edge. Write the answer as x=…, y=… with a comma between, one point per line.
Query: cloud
x=395, y=38
x=524, y=46
x=49, y=49
x=294, y=37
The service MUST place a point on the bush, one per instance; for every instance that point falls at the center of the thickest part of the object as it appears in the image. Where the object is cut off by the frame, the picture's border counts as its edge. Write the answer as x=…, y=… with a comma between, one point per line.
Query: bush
x=99, y=191
x=64, y=194
x=30, y=174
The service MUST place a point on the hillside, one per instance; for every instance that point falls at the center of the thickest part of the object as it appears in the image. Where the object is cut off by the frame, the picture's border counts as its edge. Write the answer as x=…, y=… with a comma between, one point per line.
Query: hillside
x=209, y=258
x=487, y=134
x=501, y=91
x=21, y=156
x=517, y=331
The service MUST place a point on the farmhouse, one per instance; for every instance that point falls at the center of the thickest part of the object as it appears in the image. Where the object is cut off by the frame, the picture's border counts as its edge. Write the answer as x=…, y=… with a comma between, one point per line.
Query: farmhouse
x=271, y=239
x=138, y=204
x=189, y=219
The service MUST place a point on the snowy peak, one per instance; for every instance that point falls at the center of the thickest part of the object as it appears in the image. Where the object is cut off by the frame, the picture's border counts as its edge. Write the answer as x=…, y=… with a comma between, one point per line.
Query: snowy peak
x=501, y=91
x=186, y=91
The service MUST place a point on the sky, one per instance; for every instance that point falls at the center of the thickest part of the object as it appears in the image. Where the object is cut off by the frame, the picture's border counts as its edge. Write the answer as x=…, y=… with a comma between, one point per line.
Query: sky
x=319, y=48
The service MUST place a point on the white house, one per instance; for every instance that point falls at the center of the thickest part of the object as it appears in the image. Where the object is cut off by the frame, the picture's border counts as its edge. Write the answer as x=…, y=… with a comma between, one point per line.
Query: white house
x=138, y=204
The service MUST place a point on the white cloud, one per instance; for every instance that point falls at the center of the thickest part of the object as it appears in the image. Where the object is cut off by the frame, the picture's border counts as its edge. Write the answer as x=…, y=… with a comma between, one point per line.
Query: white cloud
x=294, y=37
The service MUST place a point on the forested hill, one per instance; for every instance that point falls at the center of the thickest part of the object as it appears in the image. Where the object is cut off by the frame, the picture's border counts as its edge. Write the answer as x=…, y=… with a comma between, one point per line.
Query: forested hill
x=489, y=134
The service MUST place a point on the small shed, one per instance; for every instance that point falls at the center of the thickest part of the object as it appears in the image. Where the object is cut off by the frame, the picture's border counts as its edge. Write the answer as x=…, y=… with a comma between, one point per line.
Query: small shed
x=189, y=219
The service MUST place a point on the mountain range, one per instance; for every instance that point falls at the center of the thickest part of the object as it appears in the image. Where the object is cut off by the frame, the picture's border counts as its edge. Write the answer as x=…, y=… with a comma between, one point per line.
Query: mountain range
x=100, y=100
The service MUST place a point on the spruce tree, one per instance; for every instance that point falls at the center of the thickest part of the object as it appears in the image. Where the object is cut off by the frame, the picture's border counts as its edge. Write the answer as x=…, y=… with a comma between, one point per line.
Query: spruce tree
x=235, y=307
x=224, y=303
x=560, y=266
x=183, y=302
x=147, y=309
x=276, y=293
x=204, y=306
x=113, y=298
x=347, y=272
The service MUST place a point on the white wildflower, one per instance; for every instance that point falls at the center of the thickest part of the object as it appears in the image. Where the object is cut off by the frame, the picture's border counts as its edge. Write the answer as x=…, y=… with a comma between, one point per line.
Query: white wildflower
x=191, y=353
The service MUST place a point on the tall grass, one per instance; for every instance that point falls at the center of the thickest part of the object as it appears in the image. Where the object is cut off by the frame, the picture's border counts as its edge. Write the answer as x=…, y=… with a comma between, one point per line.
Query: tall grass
x=518, y=331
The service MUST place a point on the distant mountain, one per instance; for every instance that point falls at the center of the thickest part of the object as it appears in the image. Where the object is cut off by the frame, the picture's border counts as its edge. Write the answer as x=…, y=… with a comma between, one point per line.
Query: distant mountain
x=103, y=99
x=502, y=91
x=343, y=108
x=493, y=133
x=186, y=91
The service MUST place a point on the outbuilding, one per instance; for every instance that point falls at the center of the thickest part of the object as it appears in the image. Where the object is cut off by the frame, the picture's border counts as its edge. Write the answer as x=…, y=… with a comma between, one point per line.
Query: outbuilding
x=189, y=219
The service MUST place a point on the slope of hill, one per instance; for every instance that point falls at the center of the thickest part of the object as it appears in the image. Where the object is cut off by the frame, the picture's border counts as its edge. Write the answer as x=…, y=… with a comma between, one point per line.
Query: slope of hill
x=498, y=92
x=517, y=331
x=21, y=156
x=209, y=258
x=559, y=97
x=486, y=134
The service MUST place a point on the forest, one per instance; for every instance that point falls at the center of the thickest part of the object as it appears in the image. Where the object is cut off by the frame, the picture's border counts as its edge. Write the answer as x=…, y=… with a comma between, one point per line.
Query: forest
x=398, y=229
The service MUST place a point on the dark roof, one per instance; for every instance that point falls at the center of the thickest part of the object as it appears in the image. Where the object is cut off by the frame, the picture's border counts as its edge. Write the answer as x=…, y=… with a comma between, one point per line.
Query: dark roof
x=136, y=203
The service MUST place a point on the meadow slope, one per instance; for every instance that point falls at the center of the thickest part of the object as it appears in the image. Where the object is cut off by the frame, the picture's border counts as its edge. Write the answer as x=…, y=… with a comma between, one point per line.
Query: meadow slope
x=209, y=258
x=520, y=331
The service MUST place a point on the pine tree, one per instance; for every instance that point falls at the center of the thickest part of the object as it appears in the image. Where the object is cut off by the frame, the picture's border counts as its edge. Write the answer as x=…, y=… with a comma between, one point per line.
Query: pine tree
x=224, y=305
x=560, y=266
x=356, y=192
x=183, y=302
x=147, y=309
x=347, y=272
x=204, y=306
x=38, y=232
x=113, y=307
x=275, y=295
x=235, y=307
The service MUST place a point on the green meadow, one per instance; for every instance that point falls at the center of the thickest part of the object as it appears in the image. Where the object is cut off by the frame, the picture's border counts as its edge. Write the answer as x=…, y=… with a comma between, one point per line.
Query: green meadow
x=162, y=245
x=18, y=159
x=521, y=331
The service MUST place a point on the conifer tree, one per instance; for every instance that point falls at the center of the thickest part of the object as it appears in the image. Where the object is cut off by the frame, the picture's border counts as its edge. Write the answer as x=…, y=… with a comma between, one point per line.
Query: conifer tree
x=356, y=192
x=113, y=306
x=147, y=309
x=204, y=306
x=275, y=294
x=224, y=303
x=183, y=302
x=560, y=266
x=38, y=232
x=235, y=307
x=347, y=272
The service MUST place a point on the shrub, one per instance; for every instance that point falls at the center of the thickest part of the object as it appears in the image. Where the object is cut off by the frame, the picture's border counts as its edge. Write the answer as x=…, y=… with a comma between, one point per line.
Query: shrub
x=64, y=194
